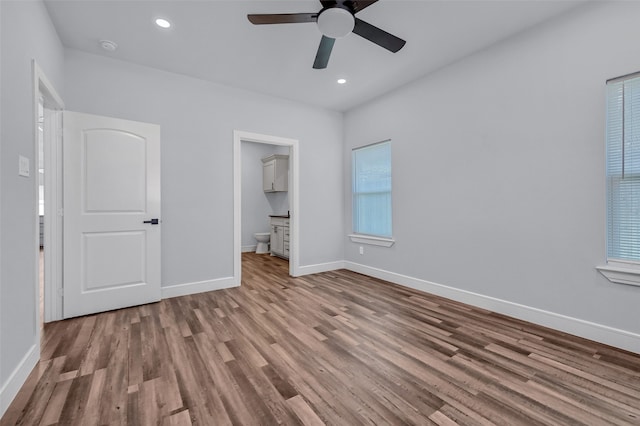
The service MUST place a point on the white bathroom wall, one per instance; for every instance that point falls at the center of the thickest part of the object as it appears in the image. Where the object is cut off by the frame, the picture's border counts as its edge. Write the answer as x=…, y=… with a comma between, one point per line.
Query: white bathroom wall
x=26, y=33
x=197, y=119
x=257, y=205
x=498, y=175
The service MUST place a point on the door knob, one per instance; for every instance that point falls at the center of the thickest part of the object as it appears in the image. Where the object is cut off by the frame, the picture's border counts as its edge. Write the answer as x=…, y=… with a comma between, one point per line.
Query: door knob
x=152, y=221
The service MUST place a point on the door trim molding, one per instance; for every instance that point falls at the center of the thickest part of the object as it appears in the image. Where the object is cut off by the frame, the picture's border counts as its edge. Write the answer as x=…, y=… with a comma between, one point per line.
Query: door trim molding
x=240, y=136
x=53, y=206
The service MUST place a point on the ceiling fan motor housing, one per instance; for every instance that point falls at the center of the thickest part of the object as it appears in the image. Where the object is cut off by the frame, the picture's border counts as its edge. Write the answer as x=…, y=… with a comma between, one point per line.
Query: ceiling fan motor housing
x=336, y=22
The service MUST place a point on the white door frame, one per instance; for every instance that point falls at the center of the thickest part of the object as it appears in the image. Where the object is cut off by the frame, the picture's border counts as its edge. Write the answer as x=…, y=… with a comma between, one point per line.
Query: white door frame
x=240, y=136
x=53, y=198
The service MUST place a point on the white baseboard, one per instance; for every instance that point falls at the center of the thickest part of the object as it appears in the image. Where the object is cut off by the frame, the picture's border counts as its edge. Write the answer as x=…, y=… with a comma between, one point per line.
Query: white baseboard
x=197, y=287
x=248, y=249
x=600, y=333
x=320, y=267
x=19, y=376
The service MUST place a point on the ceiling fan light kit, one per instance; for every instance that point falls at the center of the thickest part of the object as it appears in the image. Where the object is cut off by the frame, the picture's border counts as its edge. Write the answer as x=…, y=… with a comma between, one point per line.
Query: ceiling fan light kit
x=335, y=20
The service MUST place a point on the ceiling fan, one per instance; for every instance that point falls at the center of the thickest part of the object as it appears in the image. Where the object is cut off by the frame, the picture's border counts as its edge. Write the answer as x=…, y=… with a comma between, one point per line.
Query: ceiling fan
x=335, y=20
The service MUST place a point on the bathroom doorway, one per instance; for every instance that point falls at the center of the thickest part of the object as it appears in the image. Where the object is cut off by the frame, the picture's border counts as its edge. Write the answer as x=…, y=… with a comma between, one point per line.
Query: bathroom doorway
x=264, y=144
x=262, y=203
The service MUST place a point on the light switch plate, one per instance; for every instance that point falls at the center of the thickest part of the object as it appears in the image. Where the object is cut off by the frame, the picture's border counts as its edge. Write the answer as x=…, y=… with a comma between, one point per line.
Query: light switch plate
x=23, y=166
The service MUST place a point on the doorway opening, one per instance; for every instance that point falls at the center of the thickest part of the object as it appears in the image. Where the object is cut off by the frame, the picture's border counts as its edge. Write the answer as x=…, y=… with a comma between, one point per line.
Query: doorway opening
x=277, y=145
x=265, y=209
x=41, y=201
x=47, y=110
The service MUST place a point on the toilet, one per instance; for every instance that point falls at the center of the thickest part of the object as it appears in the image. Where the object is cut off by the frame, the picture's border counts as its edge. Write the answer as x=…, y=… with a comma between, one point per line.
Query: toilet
x=263, y=242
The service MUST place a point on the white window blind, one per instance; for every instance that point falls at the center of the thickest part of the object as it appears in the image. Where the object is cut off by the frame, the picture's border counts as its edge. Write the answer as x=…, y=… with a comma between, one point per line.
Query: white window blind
x=623, y=169
x=371, y=167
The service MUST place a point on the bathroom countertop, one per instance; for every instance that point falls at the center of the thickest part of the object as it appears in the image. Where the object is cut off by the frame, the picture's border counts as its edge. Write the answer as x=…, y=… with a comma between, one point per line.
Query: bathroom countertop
x=280, y=215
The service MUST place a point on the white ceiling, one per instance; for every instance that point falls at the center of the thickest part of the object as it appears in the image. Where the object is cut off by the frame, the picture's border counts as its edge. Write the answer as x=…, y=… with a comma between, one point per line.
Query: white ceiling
x=213, y=40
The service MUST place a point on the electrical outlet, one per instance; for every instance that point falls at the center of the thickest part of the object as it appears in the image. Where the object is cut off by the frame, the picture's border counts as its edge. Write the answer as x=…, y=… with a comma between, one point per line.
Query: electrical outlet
x=361, y=250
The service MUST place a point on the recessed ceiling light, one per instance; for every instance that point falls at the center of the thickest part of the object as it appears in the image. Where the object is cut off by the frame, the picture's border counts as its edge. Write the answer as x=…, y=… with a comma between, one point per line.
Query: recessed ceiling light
x=341, y=81
x=108, y=45
x=163, y=23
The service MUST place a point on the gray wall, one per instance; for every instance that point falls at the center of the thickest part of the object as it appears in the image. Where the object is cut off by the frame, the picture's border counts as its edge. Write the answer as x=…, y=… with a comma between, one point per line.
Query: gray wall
x=257, y=205
x=498, y=168
x=26, y=33
x=197, y=119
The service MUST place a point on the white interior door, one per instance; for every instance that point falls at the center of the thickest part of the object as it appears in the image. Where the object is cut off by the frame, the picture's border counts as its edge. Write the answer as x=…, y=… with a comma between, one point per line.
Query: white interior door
x=111, y=188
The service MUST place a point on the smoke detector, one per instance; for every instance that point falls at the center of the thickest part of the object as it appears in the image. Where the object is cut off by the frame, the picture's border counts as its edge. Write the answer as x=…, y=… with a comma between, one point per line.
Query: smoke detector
x=108, y=45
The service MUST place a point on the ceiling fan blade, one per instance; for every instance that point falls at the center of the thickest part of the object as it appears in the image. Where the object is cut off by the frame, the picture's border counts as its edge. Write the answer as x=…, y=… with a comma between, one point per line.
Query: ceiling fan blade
x=324, y=52
x=353, y=5
x=328, y=3
x=378, y=36
x=282, y=18
x=358, y=5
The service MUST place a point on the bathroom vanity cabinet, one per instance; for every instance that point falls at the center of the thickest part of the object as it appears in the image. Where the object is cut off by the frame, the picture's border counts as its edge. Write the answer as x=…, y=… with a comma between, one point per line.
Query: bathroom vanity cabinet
x=280, y=237
x=275, y=173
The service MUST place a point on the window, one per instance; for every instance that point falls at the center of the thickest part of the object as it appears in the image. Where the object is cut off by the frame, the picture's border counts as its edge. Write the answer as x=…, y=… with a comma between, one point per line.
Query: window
x=623, y=169
x=623, y=180
x=372, y=190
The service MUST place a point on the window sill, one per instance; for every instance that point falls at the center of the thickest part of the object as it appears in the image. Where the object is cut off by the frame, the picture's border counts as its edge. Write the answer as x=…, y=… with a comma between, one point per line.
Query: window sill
x=621, y=273
x=374, y=241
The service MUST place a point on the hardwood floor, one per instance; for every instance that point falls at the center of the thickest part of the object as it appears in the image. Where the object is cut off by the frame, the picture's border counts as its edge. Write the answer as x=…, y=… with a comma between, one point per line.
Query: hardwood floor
x=333, y=348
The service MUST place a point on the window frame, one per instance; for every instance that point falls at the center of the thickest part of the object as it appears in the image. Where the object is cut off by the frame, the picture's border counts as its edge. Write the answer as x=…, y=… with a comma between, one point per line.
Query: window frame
x=621, y=271
x=367, y=238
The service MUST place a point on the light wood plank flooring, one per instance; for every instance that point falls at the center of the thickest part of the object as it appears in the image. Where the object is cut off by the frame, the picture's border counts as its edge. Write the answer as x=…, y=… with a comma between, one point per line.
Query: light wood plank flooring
x=333, y=348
